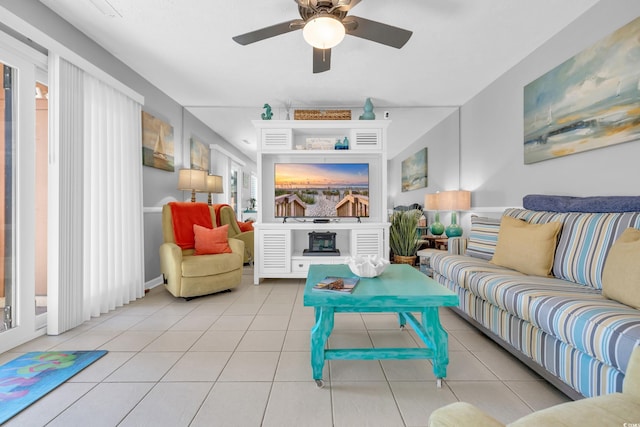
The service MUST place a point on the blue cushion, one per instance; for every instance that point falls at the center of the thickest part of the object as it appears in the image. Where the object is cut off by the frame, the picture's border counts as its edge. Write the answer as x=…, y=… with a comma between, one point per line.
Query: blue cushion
x=541, y=202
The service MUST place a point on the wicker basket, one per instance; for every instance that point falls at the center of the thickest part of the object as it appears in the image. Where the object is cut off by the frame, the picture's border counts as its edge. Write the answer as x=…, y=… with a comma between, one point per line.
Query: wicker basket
x=322, y=115
x=399, y=259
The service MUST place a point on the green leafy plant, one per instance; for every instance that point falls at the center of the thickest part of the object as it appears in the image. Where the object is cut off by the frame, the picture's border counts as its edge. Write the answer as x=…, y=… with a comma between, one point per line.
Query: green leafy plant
x=403, y=237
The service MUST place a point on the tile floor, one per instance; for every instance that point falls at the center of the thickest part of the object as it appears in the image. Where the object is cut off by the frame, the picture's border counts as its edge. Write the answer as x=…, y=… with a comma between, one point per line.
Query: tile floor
x=242, y=359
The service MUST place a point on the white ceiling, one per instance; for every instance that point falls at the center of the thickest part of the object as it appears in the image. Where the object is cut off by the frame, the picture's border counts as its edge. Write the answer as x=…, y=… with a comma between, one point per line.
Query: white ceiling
x=184, y=47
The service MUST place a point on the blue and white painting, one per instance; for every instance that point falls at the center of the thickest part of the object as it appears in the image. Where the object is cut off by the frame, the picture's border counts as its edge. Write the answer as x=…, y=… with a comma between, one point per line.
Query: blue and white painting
x=590, y=101
x=415, y=171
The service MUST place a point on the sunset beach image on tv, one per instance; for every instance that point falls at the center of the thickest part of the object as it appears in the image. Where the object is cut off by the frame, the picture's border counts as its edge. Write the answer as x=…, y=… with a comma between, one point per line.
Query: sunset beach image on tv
x=321, y=190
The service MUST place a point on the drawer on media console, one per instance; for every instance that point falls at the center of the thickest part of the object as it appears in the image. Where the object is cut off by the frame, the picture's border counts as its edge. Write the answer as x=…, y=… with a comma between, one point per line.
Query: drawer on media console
x=301, y=264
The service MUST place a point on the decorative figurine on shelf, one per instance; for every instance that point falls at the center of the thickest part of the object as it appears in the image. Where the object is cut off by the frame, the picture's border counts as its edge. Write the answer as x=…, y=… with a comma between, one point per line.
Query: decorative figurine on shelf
x=267, y=113
x=287, y=107
x=368, y=111
x=344, y=145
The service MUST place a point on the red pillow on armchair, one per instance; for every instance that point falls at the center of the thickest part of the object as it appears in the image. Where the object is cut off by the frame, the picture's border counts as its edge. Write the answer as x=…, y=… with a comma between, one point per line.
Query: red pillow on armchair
x=211, y=240
x=245, y=226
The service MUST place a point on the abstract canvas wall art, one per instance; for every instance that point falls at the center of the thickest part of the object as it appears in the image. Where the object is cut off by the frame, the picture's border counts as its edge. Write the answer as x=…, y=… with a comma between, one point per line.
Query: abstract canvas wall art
x=590, y=101
x=415, y=171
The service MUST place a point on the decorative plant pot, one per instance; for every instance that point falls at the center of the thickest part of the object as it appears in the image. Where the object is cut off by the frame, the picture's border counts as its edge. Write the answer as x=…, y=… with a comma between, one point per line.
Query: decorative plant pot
x=399, y=259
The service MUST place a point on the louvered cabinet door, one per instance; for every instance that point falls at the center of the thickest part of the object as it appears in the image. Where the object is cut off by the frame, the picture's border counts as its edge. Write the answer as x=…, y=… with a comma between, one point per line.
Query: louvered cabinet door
x=366, y=139
x=275, y=251
x=367, y=242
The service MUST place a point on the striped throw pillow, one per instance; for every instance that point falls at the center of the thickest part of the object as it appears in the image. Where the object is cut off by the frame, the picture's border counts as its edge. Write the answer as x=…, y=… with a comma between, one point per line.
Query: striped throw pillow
x=585, y=242
x=483, y=237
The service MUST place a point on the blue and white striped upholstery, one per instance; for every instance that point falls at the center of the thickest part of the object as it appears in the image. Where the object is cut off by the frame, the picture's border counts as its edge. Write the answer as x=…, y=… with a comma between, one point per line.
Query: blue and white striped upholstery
x=578, y=315
x=585, y=240
x=563, y=323
x=535, y=217
x=483, y=237
x=584, y=373
x=459, y=267
x=584, y=243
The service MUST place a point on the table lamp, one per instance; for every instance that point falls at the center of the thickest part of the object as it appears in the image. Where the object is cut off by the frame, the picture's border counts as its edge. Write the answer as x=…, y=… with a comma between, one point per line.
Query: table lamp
x=191, y=180
x=455, y=200
x=213, y=185
x=431, y=204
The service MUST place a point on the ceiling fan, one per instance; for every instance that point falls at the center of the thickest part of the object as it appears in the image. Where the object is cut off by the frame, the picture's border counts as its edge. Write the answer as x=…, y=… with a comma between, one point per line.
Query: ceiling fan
x=324, y=24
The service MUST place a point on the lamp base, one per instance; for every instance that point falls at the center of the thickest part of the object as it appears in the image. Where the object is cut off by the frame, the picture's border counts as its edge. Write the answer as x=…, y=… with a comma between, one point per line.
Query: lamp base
x=454, y=230
x=436, y=228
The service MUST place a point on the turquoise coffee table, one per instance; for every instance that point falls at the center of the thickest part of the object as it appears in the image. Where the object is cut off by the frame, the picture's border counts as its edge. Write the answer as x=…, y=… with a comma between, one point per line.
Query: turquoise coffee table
x=400, y=289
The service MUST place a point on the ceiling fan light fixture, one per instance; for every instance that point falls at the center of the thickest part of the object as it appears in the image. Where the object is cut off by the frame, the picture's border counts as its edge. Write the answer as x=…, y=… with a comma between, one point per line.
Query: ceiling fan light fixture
x=323, y=32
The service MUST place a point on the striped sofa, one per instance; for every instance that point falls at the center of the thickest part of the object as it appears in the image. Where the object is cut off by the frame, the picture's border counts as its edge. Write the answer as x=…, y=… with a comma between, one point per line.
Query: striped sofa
x=562, y=326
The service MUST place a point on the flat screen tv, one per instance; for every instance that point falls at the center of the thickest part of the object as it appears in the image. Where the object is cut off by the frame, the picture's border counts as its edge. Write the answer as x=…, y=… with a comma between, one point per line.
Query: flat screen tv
x=321, y=190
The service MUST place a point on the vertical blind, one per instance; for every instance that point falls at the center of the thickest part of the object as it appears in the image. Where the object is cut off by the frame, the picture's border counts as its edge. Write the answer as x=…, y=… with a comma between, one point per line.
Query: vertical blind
x=97, y=177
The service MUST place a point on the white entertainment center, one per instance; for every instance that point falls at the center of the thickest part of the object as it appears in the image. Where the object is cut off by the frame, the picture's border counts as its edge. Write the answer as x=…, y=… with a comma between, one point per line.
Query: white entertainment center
x=280, y=242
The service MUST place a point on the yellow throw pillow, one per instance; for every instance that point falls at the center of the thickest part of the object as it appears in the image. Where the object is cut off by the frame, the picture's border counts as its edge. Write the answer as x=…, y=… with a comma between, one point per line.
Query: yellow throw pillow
x=621, y=272
x=527, y=248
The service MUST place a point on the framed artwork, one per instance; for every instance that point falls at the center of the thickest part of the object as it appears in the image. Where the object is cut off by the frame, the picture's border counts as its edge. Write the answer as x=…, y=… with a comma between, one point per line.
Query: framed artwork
x=245, y=180
x=157, y=143
x=199, y=155
x=589, y=101
x=415, y=171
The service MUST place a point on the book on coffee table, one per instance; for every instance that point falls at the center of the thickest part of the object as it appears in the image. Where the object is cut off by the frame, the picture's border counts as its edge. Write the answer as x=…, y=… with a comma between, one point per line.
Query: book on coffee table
x=343, y=285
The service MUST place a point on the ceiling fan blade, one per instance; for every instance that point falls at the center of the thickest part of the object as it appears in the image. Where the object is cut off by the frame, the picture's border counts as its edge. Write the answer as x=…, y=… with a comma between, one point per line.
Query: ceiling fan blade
x=267, y=32
x=349, y=6
x=377, y=31
x=321, y=60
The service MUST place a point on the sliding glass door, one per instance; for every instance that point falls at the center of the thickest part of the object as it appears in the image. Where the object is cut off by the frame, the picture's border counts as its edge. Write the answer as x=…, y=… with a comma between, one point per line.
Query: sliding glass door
x=7, y=290
x=20, y=192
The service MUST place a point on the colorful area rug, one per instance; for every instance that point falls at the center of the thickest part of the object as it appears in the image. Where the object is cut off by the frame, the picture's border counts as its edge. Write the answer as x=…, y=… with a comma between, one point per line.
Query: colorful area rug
x=30, y=376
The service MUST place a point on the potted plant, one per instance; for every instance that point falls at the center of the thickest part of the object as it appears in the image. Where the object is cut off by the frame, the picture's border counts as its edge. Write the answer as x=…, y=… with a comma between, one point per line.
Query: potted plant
x=403, y=237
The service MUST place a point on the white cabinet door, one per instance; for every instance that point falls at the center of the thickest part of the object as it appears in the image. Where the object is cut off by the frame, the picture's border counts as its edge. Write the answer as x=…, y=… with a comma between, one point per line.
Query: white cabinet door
x=367, y=242
x=276, y=139
x=275, y=251
x=366, y=139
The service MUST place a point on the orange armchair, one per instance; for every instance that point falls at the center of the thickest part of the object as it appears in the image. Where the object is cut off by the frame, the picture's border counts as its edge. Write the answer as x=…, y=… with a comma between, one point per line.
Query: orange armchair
x=226, y=215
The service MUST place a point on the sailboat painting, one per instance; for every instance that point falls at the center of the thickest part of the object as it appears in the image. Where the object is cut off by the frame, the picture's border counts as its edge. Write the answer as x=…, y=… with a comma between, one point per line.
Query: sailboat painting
x=199, y=155
x=157, y=143
x=590, y=101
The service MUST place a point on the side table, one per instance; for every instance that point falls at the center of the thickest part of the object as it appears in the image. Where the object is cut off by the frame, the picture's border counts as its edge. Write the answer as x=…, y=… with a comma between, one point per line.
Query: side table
x=425, y=260
x=436, y=242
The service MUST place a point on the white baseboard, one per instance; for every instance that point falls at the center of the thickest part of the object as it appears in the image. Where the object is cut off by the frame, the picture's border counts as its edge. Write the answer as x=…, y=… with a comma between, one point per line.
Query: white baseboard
x=154, y=282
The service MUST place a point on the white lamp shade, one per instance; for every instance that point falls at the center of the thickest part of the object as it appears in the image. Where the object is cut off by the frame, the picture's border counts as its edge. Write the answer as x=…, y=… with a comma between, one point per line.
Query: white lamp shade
x=431, y=202
x=214, y=184
x=455, y=200
x=323, y=32
x=191, y=179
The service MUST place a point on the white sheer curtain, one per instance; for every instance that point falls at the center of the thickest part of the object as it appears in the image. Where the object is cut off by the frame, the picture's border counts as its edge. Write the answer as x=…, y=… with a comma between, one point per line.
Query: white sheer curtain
x=113, y=256
x=95, y=184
